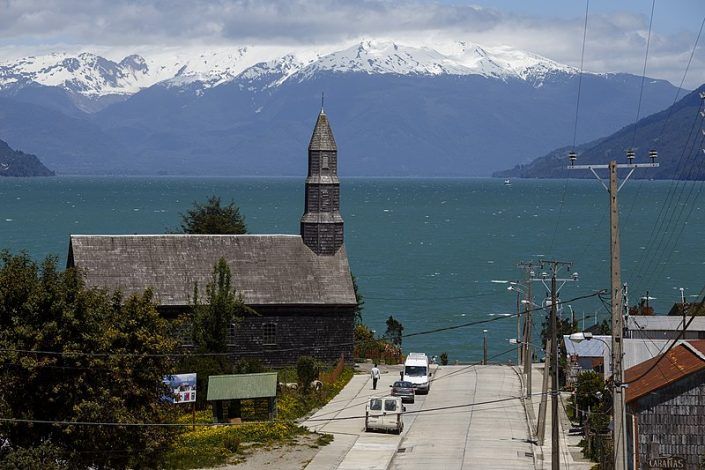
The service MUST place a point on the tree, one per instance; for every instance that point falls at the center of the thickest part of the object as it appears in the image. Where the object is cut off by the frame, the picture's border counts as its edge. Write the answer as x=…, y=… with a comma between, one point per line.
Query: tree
x=359, y=299
x=394, y=331
x=223, y=307
x=210, y=323
x=212, y=218
x=307, y=371
x=108, y=358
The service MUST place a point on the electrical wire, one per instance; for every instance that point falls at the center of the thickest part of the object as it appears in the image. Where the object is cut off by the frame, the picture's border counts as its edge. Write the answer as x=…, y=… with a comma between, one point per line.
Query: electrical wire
x=301, y=348
x=681, y=333
x=575, y=126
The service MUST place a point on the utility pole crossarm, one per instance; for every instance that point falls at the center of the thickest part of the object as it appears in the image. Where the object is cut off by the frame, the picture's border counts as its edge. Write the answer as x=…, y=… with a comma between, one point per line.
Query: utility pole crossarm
x=618, y=165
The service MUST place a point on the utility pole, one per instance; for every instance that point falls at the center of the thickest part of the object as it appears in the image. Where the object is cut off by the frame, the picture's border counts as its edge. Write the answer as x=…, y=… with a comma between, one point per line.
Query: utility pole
x=555, y=456
x=528, y=267
x=619, y=431
x=541, y=425
x=484, y=347
x=555, y=266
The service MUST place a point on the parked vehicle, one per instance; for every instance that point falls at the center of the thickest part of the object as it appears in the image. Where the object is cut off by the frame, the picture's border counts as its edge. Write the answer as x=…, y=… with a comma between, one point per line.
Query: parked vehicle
x=404, y=390
x=418, y=372
x=384, y=414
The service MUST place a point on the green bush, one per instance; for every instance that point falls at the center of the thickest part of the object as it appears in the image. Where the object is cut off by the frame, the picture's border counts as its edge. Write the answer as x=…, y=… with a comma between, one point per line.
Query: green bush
x=306, y=371
x=444, y=359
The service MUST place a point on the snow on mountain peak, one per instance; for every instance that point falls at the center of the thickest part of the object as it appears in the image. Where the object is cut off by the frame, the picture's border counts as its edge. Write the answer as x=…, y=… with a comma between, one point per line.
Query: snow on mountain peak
x=94, y=76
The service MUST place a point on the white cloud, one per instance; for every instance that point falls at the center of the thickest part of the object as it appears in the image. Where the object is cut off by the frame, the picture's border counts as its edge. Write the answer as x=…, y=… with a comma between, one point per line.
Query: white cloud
x=615, y=42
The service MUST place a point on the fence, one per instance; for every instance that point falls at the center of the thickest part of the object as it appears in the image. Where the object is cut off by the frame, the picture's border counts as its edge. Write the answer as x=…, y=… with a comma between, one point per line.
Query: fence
x=330, y=377
x=379, y=351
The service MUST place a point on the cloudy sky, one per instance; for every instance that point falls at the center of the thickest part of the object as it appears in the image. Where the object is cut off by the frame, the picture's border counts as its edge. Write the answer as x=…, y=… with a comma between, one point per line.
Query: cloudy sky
x=616, y=33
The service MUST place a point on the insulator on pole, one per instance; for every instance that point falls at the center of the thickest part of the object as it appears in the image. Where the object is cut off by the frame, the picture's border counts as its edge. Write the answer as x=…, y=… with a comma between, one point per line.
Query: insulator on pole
x=702, y=95
x=572, y=157
x=630, y=156
x=653, y=155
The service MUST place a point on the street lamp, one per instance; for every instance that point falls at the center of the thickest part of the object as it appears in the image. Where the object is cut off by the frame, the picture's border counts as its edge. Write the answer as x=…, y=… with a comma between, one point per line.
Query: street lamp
x=587, y=336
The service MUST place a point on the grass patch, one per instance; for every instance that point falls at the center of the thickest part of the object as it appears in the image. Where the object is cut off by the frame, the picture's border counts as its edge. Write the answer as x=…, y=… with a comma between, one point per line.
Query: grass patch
x=209, y=446
x=295, y=404
x=217, y=445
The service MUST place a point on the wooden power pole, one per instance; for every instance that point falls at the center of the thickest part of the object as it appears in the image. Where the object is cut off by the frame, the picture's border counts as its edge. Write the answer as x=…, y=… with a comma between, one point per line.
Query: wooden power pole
x=619, y=430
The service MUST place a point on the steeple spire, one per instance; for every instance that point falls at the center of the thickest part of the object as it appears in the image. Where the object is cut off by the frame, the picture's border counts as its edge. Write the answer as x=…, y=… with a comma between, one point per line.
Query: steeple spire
x=321, y=224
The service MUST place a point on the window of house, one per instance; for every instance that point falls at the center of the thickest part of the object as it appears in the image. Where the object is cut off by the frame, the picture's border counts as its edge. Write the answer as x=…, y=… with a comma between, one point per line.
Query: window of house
x=231, y=334
x=324, y=162
x=269, y=335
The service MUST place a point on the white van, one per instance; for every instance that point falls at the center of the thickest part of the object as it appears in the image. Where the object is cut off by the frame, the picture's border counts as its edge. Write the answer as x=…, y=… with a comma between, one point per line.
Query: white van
x=384, y=414
x=418, y=372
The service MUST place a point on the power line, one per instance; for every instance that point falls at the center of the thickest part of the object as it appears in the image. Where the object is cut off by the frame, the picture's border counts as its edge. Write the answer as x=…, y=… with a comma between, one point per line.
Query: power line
x=681, y=333
x=575, y=125
x=643, y=74
x=259, y=351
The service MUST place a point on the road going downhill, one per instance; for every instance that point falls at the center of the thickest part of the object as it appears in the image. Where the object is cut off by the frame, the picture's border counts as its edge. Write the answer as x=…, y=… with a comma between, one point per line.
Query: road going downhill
x=493, y=435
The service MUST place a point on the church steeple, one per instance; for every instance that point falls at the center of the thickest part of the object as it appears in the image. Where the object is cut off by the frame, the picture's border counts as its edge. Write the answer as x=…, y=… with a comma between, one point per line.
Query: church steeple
x=321, y=224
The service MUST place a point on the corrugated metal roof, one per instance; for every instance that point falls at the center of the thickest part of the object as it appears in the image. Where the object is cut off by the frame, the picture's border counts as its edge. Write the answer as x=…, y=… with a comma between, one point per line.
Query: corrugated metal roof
x=587, y=348
x=266, y=269
x=242, y=386
x=679, y=362
x=663, y=322
x=636, y=350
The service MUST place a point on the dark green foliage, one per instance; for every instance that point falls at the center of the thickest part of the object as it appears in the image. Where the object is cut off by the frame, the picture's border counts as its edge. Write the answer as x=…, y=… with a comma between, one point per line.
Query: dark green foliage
x=360, y=301
x=444, y=359
x=564, y=325
x=394, y=332
x=307, y=371
x=44, y=456
x=249, y=366
x=211, y=322
x=223, y=307
x=16, y=163
x=604, y=328
x=590, y=390
x=212, y=218
x=115, y=353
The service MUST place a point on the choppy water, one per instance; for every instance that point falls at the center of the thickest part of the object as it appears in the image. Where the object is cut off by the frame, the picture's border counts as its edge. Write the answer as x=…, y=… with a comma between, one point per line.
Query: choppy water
x=424, y=251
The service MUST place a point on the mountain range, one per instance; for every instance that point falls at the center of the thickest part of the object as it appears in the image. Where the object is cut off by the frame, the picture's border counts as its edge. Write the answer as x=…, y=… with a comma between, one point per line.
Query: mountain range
x=675, y=133
x=455, y=109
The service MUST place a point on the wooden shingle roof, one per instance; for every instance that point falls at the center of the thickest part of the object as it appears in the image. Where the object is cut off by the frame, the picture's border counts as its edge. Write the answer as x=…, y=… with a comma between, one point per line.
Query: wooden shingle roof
x=681, y=361
x=322, y=137
x=266, y=269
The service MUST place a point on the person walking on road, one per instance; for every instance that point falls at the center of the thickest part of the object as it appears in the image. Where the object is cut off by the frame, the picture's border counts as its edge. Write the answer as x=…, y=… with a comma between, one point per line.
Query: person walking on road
x=375, y=377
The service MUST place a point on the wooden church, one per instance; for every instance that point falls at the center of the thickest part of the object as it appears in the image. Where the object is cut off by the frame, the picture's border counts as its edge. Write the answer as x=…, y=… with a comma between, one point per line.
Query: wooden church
x=300, y=285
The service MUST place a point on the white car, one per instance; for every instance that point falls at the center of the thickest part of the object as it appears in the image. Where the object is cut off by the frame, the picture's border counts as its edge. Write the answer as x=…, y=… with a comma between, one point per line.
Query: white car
x=418, y=372
x=384, y=414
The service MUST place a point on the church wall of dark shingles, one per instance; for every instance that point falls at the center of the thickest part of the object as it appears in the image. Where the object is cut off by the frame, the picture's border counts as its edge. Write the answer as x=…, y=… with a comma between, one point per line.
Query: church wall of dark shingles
x=322, y=332
x=670, y=422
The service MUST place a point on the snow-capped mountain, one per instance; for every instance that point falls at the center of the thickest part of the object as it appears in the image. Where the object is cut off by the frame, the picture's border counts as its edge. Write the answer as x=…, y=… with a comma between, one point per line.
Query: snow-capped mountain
x=397, y=109
x=94, y=76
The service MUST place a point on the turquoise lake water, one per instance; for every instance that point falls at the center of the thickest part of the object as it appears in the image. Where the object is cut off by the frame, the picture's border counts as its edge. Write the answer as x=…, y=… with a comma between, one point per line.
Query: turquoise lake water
x=423, y=250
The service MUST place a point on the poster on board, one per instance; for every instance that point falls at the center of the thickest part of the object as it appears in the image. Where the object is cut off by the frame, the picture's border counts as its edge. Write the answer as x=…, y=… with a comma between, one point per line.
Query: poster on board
x=183, y=387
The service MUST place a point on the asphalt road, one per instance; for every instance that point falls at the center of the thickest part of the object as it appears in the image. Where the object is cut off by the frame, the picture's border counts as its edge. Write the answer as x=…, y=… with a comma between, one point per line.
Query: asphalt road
x=456, y=436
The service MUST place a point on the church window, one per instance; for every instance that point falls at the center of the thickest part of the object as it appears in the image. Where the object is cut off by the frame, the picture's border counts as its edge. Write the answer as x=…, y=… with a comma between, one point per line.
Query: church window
x=324, y=162
x=231, y=334
x=269, y=334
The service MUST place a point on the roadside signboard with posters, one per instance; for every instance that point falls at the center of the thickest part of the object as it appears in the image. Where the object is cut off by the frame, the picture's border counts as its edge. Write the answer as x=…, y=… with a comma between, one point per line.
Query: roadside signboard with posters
x=183, y=387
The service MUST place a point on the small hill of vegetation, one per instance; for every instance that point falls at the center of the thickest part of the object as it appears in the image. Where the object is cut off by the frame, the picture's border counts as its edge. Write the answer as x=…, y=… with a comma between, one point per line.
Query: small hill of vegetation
x=16, y=163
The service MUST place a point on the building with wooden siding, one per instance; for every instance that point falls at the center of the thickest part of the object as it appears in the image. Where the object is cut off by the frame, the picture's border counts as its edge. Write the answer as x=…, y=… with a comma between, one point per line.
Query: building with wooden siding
x=300, y=285
x=666, y=409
